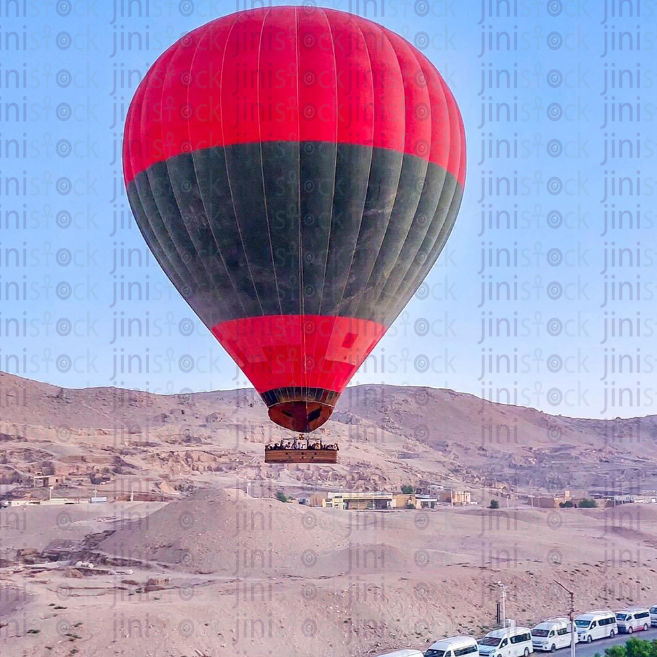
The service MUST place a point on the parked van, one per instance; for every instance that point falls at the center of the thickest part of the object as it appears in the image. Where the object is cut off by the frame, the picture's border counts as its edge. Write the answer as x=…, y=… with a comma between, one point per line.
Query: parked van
x=405, y=652
x=632, y=620
x=456, y=646
x=596, y=625
x=653, y=616
x=507, y=642
x=552, y=634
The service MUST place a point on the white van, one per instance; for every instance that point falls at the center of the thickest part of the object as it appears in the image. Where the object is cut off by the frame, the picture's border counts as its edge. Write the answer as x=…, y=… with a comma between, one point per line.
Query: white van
x=507, y=642
x=596, y=625
x=632, y=620
x=455, y=646
x=653, y=616
x=405, y=652
x=552, y=634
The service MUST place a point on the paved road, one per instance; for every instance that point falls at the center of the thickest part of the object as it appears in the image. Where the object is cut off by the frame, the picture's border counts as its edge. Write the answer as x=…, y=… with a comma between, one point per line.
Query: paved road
x=589, y=649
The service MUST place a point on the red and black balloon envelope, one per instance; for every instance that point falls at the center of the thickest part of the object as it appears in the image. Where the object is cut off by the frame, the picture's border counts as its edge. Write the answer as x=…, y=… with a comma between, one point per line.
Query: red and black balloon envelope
x=296, y=173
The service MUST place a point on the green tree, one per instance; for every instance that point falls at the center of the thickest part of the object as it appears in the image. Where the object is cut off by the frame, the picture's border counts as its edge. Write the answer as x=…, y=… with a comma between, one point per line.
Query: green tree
x=637, y=648
x=633, y=648
x=281, y=496
x=407, y=489
x=494, y=504
x=588, y=504
x=566, y=505
x=615, y=651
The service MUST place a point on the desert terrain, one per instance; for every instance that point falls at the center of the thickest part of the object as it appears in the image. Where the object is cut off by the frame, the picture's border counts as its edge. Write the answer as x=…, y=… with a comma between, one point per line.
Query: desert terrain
x=220, y=573
x=193, y=554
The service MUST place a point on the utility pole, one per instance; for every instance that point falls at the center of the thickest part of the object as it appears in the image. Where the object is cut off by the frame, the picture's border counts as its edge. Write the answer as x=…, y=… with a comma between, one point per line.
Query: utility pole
x=572, y=618
x=503, y=589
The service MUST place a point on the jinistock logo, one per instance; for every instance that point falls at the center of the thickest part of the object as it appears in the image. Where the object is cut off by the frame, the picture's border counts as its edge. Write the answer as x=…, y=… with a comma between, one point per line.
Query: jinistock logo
x=337, y=316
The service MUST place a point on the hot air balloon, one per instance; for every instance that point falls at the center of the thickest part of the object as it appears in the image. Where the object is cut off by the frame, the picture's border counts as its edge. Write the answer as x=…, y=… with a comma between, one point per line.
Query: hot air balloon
x=296, y=172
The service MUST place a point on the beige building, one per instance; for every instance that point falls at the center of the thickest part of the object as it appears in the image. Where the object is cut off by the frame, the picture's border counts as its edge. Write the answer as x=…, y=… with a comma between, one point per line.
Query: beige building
x=458, y=497
x=359, y=501
x=317, y=499
x=404, y=501
x=548, y=501
x=374, y=501
x=554, y=501
x=45, y=481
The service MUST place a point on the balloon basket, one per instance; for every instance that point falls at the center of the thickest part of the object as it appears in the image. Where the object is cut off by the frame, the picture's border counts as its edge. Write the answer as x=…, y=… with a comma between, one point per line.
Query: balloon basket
x=298, y=452
x=301, y=456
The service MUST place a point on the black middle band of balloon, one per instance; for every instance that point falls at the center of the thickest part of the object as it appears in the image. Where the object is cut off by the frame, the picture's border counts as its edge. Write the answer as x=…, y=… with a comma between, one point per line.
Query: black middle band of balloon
x=295, y=228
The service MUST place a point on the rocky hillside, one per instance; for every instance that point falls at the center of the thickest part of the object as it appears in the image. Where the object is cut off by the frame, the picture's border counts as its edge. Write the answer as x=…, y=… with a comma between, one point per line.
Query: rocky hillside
x=122, y=440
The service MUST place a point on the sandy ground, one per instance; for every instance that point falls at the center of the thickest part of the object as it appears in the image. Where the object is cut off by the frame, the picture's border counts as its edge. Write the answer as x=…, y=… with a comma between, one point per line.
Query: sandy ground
x=223, y=574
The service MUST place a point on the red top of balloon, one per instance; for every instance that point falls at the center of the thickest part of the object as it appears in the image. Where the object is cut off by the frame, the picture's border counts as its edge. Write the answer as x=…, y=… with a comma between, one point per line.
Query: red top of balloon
x=324, y=75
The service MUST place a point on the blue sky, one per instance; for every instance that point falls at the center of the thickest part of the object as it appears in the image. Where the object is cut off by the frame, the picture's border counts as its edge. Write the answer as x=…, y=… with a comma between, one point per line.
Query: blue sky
x=69, y=129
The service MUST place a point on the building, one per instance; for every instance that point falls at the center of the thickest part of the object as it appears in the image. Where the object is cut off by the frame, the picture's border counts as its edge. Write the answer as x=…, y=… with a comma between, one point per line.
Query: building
x=404, y=501
x=628, y=499
x=45, y=481
x=317, y=499
x=374, y=501
x=548, y=501
x=426, y=502
x=458, y=497
x=359, y=501
x=645, y=499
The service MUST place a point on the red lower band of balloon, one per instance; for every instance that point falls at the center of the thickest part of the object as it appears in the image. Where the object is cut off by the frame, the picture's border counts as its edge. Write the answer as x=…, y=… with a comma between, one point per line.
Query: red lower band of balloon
x=316, y=351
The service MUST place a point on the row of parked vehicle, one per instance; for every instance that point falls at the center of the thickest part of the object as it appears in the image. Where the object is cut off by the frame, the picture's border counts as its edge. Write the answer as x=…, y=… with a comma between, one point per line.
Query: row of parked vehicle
x=549, y=636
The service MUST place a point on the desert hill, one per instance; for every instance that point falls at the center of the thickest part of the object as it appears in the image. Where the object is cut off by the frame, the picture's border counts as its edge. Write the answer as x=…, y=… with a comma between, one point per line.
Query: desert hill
x=388, y=435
